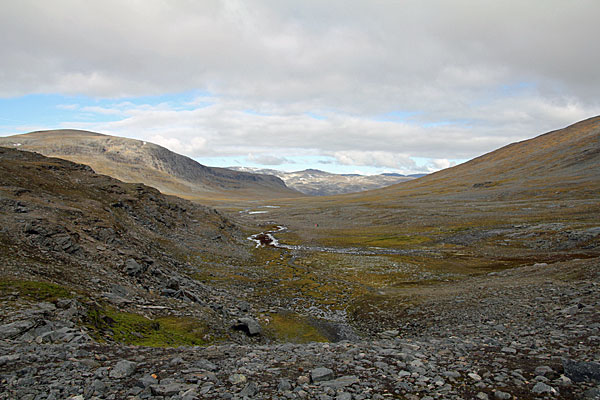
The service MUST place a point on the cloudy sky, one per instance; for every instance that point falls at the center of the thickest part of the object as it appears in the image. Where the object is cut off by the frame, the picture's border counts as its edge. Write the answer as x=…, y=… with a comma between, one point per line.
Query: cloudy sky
x=343, y=86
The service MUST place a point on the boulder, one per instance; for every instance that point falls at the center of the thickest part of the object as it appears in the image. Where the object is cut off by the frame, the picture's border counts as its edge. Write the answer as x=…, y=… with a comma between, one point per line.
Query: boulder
x=542, y=388
x=133, y=268
x=248, y=325
x=123, y=369
x=580, y=371
x=173, y=284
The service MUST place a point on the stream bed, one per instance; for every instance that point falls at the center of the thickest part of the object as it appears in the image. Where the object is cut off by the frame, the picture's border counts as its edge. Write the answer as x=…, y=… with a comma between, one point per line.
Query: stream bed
x=267, y=238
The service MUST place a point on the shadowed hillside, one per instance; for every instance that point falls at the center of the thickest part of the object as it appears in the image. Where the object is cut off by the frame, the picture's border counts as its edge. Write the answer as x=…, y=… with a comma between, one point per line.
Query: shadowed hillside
x=116, y=246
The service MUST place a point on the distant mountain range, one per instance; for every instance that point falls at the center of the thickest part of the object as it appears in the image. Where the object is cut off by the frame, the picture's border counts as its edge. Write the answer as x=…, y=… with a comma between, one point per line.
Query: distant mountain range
x=132, y=160
x=315, y=182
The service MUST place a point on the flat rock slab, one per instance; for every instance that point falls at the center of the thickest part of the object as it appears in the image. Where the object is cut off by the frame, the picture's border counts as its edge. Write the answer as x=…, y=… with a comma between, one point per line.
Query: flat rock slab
x=321, y=374
x=341, y=382
x=15, y=329
x=170, y=389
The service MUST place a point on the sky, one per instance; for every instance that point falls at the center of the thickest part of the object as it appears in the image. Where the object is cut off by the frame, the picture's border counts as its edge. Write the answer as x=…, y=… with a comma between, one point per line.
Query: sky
x=344, y=86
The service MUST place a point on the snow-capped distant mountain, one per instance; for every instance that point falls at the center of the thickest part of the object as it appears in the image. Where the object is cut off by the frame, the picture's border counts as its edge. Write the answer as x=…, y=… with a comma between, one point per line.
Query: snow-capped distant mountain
x=315, y=182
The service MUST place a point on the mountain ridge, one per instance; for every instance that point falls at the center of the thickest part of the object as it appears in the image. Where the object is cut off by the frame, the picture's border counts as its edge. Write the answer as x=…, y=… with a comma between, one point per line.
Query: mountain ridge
x=132, y=160
x=315, y=182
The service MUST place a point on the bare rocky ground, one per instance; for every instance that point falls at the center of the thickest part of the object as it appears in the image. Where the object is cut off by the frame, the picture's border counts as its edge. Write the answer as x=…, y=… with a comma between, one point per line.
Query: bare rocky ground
x=531, y=332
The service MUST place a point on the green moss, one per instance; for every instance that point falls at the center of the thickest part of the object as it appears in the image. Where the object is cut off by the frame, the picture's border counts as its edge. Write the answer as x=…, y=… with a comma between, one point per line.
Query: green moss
x=289, y=327
x=33, y=290
x=136, y=329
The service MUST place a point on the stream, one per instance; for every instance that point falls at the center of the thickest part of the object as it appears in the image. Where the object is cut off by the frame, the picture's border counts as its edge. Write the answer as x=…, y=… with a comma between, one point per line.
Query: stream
x=267, y=238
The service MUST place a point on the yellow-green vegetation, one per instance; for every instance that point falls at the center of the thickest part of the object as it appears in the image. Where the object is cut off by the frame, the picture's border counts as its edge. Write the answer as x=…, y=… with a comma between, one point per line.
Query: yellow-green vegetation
x=373, y=234
x=136, y=329
x=290, y=327
x=33, y=290
x=383, y=308
x=363, y=239
x=291, y=277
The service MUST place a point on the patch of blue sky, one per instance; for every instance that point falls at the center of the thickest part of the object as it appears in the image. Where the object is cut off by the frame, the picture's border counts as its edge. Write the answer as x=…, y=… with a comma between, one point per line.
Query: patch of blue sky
x=35, y=109
x=516, y=87
x=188, y=100
x=254, y=112
x=396, y=116
x=52, y=111
x=315, y=116
x=421, y=161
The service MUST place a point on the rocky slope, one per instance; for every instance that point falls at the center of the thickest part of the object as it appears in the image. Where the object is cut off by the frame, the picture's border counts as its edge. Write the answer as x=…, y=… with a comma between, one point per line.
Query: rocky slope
x=315, y=182
x=132, y=160
x=110, y=248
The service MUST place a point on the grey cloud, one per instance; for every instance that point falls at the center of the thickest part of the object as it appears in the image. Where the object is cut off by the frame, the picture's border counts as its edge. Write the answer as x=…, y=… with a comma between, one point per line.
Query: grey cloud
x=479, y=74
x=351, y=54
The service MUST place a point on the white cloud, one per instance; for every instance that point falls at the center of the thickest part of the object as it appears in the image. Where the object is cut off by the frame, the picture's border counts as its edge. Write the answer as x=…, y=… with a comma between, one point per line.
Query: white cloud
x=194, y=146
x=101, y=110
x=439, y=163
x=68, y=106
x=374, y=158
